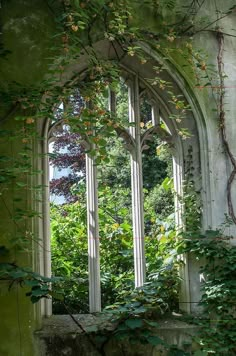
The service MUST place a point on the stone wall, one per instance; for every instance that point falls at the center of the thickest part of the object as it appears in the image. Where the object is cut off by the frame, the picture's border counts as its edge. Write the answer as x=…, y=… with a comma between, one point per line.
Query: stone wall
x=61, y=336
x=27, y=27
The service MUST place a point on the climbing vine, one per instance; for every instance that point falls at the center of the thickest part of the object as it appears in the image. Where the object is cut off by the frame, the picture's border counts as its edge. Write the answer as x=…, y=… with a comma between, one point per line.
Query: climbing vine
x=115, y=21
x=217, y=320
x=222, y=122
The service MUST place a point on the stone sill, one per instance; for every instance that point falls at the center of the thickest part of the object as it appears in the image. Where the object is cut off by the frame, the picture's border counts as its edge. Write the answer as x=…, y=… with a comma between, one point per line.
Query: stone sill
x=61, y=336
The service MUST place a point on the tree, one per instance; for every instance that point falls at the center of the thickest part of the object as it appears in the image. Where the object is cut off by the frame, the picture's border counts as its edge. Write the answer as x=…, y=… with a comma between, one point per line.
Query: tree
x=67, y=154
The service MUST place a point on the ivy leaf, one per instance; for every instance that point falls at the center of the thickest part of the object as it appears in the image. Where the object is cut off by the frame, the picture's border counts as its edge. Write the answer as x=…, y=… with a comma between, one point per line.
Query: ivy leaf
x=155, y=340
x=151, y=323
x=18, y=274
x=31, y=282
x=140, y=310
x=122, y=327
x=34, y=299
x=39, y=292
x=134, y=323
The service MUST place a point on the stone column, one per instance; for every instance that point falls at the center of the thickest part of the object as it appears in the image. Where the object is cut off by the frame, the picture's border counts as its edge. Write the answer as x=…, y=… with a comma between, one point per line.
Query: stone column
x=137, y=185
x=155, y=114
x=46, y=215
x=93, y=235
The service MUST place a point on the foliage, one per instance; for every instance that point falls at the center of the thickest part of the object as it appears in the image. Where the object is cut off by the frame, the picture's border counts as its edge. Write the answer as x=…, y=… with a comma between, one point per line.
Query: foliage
x=217, y=255
x=116, y=251
x=37, y=286
x=69, y=253
x=67, y=154
x=158, y=204
x=117, y=171
x=155, y=167
x=77, y=24
x=217, y=333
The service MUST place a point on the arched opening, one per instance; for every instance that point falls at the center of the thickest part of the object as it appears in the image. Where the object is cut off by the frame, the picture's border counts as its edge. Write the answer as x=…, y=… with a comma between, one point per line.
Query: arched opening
x=182, y=133
x=68, y=220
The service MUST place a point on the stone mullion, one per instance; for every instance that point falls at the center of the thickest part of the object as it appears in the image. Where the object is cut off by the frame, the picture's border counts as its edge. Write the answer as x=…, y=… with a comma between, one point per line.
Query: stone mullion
x=46, y=214
x=155, y=114
x=137, y=185
x=93, y=234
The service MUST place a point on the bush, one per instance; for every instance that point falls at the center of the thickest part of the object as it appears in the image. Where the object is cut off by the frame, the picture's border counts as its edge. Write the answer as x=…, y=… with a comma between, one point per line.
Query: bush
x=70, y=256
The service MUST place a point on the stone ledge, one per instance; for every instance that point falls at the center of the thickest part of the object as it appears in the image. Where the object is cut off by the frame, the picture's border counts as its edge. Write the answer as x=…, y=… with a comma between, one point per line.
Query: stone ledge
x=61, y=336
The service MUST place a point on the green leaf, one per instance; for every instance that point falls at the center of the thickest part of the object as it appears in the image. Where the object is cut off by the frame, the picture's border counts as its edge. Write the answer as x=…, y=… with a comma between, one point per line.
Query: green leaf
x=155, y=340
x=31, y=282
x=140, y=310
x=18, y=274
x=152, y=323
x=134, y=323
x=39, y=292
x=34, y=299
x=122, y=327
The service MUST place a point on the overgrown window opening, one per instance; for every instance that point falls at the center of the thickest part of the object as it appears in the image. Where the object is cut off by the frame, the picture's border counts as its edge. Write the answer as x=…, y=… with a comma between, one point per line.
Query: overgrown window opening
x=68, y=220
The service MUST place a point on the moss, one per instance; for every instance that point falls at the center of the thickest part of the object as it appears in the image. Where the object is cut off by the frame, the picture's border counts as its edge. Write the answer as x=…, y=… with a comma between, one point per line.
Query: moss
x=17, y=323
x=17, y=314
x=27, y=29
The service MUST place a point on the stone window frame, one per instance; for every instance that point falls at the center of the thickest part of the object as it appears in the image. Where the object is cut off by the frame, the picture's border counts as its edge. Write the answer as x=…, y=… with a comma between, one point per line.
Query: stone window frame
x=180, y=85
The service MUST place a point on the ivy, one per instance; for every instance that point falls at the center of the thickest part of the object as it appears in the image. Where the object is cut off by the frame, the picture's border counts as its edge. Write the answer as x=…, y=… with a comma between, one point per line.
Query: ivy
x=217, y=332
x=39, y=287
x=213, y=247
x=78, y=23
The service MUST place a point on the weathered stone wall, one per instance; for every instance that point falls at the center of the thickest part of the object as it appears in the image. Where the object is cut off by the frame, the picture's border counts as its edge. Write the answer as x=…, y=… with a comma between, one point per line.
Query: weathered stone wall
x=27, y=28
x=219, y=165
x=26, y=31
x=61, y=335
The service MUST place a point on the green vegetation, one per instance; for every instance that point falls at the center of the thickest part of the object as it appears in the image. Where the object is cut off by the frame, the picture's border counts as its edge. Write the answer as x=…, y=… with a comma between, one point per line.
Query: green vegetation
x=135, y=308
x=69, y=236
x=217, y=323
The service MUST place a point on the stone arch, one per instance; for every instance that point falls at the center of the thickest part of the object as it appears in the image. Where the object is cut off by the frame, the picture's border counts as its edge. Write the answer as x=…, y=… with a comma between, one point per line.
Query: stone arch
x=35, y=38
x=197, y=140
